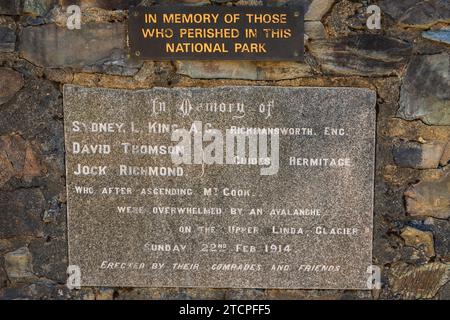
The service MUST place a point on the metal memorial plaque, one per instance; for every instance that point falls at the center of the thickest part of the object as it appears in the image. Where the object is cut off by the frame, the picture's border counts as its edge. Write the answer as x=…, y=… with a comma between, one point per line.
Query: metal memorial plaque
x=216, y=33
x=246, y=187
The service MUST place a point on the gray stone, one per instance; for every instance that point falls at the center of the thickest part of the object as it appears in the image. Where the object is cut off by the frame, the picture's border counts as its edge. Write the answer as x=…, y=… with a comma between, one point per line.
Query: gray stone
x=417, y=13
x=57, y=47
x=21, y=210
x=424, y=93
x=429, y=198
x=10, y=83
x=364, y=55
x=18, y=159
x=440, y=230
x=94, y=220
x=317, y=9
x=37, y=7
x=10, y=7
x=18, y=263
x=7, y=39
x=315, y=30
x=409, y=154
x=442, y=35
x=116, y=64
x=396, y=9
x=426, y=14
x=50, y=259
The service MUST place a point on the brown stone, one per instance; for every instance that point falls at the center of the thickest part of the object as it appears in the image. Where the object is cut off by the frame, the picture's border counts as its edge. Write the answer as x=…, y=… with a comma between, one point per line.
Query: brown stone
x=429, y=198
x=18, y=263
x=419, y=240
x=422, y=282
x=10, y=83
x=18, y=159
x=246, y=70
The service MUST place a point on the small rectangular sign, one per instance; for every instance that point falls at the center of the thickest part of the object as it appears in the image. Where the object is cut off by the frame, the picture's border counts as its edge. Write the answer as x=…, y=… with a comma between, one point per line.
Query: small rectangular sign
x=216, y=33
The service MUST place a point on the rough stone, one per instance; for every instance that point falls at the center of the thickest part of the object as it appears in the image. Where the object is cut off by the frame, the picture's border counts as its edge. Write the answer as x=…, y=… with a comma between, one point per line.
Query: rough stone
x=410, y=154
x=345, y=18
x=426, y=14
x=18, y=264
x=7, y=39
x=37, y=7
x=429, y=198
x=36, y=113
x=422, y=240
x=116, y=64
x=317, y=9
x=56, y=47
x=421, y=282
x=442, y=35
x=315, y=30
x=18, y=159
x=396, y=9
x=104, y=4
x=22, y=209
x=247, y=70
x=41, y=289
x=50, y=258
x=10, y=7
x=440, y=230
x=424, y=93
x=10, y=83
x=364, y=55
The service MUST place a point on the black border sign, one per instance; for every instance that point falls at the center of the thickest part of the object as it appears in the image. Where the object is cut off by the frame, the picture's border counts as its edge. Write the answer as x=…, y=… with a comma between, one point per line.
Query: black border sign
x=217, y=33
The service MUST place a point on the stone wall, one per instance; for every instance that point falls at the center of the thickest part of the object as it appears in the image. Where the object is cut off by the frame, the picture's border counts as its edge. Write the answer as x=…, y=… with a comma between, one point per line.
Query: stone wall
x=407, y=62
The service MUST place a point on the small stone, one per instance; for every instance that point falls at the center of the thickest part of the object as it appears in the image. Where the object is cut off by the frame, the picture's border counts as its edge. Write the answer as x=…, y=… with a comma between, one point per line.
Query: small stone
x=18, y=263
x=49, y=258
x=445, y=159
x=315, y=30
x=7, y=39
x=365, y=55
x=18, y=159
x=426, y=14
x=104, y=4
x=419, y=240
x=10, y=83
x=105, y=294
x=422, y=282
x=247, y=70
x=55, y=47
x=409, y=154
x=21, y=210
x=10, y=7
x=425, y=93
x=317, y=9
x=116, y=64
x=442, y=35
x=429, y=198
x=396, y=9
x=37, y=7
